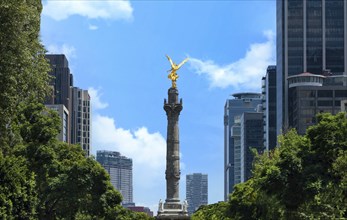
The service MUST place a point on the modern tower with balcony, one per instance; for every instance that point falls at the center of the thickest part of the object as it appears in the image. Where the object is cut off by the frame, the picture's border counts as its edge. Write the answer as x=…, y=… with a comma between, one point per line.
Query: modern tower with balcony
x=311, y=38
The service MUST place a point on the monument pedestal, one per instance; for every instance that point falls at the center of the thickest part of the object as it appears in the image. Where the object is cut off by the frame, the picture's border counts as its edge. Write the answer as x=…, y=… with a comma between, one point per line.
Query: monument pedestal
x=172, y=211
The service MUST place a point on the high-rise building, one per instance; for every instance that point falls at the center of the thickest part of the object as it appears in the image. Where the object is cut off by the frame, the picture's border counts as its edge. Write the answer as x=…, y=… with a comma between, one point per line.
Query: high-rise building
x=196, y=191
x=269, y=108
x=233, y=110
x=251, y=137
x=61, y=79
x=80, y=119
x=120, y=169
x=313, y=94
x=61, y=82
x=64, y=118
x=75, y=100
x=311, y=37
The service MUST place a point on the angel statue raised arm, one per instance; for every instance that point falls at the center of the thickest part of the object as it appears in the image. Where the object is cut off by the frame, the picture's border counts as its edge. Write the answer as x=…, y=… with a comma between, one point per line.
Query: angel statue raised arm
x=174, y=67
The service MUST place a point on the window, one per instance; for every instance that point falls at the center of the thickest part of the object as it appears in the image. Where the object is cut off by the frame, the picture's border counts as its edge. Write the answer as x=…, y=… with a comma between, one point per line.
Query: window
x=325, y=103
x=325, y=93
x=341, y=93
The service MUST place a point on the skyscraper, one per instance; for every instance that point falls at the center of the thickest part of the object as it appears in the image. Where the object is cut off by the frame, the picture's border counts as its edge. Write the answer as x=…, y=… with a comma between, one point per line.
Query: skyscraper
x=251, y=137
x=61, y=79
x=269, y=107
x=313, y=94
x=233, y=110
x=61, y=82
x=80, y=118
x=75, y=100
x=311, y=37
x=196, y=191
x=120, y=169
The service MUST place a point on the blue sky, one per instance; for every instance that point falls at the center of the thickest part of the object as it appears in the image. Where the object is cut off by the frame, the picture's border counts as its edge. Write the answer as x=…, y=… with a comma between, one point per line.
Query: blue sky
x=116, y=50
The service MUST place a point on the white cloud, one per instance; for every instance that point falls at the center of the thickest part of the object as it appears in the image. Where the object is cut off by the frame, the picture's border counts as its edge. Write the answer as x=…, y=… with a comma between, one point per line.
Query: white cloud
x=69, y=51
x=244, y=73
x=111, y=10
x=147, y=150
x=93, y=27
x=95, y=99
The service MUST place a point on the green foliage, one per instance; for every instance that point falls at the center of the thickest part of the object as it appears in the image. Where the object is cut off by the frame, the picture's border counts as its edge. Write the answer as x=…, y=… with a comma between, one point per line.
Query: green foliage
x=36, y=124
x=305, y=178
x=17, y=193
x=243, y=201
x=23, y=68
x=116, y=213
x=218, y=211
x=120, y=213
x=40, y=177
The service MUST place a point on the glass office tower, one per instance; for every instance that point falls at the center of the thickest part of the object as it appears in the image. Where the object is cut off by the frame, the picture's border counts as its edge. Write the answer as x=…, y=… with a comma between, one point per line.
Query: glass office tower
x=311, y=37
x=233, y=110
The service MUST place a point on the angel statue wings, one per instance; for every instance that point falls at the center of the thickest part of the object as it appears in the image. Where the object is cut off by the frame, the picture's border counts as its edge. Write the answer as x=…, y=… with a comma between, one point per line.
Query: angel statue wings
x=174, y=67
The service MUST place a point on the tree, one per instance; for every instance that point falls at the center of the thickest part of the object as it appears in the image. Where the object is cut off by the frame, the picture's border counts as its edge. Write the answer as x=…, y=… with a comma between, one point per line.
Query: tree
x=305, y=178
x=218, y=211
x=23, y=79
x=40, y=177
x=252, y=199
x=17, y=189
x=23, y=68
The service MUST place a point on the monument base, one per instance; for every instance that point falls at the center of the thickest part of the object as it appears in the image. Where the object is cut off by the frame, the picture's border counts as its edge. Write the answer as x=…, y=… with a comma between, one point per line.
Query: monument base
x=172, y=211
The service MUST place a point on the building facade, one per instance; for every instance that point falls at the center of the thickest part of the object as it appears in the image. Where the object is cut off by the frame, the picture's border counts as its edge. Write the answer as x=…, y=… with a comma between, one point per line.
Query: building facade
x=60, y=83
x=63, y=113
x=235, y=133
x=81, y=119
x=61, y=80
x=233, y=109
x=251, y=138
x=75, y=100
x=311, y=37
x=269, y=108
x=120, y=169
x=196, y=191
x=313, y=94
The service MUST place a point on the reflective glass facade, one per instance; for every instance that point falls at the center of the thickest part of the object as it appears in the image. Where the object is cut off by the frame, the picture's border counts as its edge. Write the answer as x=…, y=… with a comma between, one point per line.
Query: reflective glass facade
x=311, y=37
x=314, y=37
x=269, y=108
x=334, y=34
x=251, y=138
x=308, y=101
x=295, y=37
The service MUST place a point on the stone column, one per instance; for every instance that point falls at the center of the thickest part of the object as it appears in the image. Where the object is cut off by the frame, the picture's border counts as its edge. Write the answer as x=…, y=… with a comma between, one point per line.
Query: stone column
x=172, y=174
x=172, y=208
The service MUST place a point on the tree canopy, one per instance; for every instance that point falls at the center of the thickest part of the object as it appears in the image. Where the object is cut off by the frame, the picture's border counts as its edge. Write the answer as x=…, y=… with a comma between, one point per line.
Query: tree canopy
x=303, y=178
x=40, y=177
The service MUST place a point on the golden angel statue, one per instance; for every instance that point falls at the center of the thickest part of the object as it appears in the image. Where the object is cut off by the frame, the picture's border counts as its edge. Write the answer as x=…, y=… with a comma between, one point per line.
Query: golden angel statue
x=174, y=67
